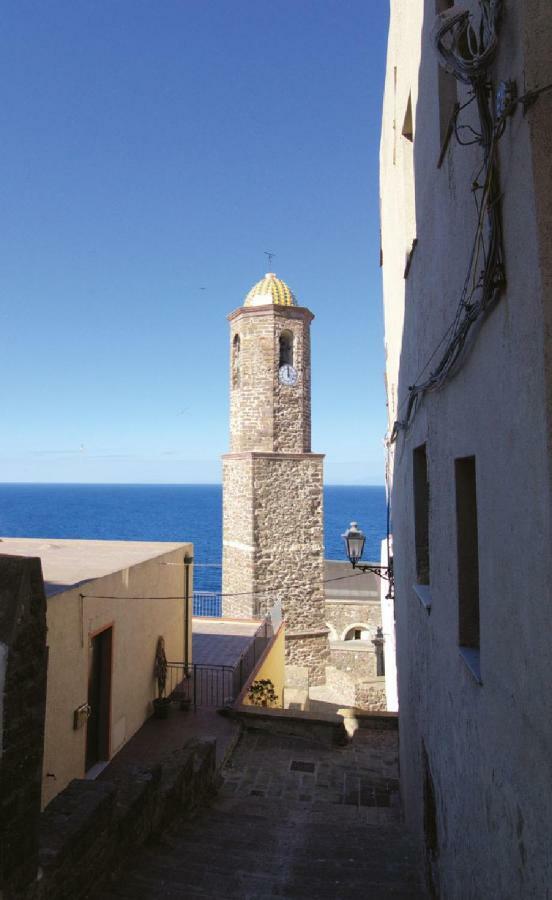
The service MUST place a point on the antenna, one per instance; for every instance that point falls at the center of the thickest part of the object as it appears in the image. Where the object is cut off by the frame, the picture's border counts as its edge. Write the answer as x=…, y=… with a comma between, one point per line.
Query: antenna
x=271, y=256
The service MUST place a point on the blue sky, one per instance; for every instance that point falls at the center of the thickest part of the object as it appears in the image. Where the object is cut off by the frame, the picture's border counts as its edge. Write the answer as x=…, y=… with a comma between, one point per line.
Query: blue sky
x=151, y=151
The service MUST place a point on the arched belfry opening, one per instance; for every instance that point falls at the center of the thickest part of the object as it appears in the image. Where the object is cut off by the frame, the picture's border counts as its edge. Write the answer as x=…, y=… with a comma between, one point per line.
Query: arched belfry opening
x=286, y=348
x=236, y=360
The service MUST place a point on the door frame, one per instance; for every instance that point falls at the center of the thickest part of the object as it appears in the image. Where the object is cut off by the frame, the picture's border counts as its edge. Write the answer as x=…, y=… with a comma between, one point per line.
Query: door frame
x=110, y=626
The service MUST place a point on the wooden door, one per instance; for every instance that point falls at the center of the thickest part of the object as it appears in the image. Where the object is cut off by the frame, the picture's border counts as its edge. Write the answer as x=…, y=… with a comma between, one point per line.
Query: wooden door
x=99, y=699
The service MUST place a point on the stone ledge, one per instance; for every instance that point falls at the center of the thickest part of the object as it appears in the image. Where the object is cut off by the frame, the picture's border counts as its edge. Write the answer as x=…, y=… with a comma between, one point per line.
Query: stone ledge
x=314, y=633
x=271, y=454
x=322, y=728
x=376, y=721
x=274, y=309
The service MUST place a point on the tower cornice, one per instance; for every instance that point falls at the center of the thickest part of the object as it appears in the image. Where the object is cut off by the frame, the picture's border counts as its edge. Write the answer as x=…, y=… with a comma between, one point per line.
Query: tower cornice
x=270, y=309
x=268, y=454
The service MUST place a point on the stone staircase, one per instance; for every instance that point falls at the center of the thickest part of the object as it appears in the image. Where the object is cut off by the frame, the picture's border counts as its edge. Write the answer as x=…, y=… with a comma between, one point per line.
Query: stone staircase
x=292, y=819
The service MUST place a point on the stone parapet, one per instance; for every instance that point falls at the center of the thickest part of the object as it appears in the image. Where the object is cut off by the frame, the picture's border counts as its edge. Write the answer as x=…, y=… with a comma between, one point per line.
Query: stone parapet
x=91, y=826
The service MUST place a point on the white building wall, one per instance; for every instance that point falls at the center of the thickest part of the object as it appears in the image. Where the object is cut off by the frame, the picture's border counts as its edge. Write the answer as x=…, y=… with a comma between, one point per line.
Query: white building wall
x=390, y=645
x=489, y=745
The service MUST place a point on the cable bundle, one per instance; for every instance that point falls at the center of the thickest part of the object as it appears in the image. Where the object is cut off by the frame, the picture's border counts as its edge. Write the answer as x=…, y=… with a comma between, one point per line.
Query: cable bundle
x=468, y=56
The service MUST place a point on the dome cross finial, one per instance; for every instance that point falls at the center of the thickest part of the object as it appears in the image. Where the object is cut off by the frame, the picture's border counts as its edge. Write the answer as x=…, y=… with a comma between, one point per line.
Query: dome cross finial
x=271, y=256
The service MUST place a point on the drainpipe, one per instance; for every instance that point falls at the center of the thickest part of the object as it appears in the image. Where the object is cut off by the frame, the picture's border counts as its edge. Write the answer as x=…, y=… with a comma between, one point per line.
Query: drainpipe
x=188, y=560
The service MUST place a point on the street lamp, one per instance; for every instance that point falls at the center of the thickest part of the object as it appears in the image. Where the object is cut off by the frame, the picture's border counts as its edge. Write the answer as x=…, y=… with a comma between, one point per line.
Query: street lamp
x=354, y=544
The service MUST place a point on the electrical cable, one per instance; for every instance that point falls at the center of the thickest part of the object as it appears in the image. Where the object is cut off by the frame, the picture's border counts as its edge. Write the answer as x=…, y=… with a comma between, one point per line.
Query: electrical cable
x=468, y=56
x=219, y=594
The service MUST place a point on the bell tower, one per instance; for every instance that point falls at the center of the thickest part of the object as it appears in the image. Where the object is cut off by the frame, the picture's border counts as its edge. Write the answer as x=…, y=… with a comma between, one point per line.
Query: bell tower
x=273, y=542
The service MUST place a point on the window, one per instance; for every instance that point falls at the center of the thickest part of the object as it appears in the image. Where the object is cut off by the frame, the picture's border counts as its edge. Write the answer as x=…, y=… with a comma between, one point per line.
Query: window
x=408, y=127
x=421, y=514
x=236, y=361
x=357, y=632
x=448, y=96
x=286, y=348
x=467, y=553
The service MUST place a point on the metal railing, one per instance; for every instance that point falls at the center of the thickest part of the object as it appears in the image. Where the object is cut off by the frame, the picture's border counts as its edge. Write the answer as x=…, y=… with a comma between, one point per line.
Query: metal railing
x=207, y=603
x=206, y=684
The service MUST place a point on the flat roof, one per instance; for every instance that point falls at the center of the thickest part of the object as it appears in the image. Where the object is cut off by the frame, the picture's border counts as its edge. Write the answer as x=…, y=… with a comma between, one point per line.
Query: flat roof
x=66, y=564
x=342, y=582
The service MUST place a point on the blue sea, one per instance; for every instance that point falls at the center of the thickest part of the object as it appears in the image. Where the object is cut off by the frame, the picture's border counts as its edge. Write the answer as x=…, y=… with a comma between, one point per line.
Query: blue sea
x=169, y=512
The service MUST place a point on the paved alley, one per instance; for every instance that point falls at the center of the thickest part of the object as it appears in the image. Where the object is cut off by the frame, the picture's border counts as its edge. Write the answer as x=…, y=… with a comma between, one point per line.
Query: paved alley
x=292, y=819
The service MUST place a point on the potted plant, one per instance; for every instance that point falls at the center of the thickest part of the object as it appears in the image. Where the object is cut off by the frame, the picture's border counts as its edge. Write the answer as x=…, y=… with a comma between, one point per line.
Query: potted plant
x=262, y=693
x=161, y=703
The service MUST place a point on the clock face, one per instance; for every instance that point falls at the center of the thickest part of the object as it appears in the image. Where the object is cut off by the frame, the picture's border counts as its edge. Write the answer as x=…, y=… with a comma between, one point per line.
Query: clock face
x=287, y=375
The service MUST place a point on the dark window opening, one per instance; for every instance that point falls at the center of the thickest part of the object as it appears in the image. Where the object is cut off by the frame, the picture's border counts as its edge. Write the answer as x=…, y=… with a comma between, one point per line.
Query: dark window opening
x=358, y=634
x=408, y=127
x=236, y=361
x=467, y=552
x=421, y=514
x=286, y=348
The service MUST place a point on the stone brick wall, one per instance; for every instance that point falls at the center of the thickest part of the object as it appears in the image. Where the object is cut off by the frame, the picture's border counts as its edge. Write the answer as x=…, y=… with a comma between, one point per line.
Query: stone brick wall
x=358, y=662
x=370, y=695
x=344, y=615
x=238, y=562
x=311, y=652
x=22, y=707
x=273, y=546
x=265, y=415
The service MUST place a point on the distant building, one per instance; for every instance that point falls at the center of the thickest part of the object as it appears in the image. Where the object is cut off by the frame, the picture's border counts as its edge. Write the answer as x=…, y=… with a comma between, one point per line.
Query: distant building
x=466, y=215
x=105, y=613
x=273, y=542
x=353, y=616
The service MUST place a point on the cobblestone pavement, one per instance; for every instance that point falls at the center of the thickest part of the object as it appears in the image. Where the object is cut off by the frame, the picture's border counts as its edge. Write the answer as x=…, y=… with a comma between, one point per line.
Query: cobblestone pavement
x=292, y=819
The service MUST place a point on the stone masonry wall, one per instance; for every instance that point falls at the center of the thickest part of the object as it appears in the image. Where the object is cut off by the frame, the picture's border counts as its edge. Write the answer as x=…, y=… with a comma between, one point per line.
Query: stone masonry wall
x=22, y=708
x=344, y=615
x=312, y=652
x=358, y=662
x=371, y=695
x=273, y=545
x=292, y=403
x=288, y=533
x=237, y=545
x=265, y=415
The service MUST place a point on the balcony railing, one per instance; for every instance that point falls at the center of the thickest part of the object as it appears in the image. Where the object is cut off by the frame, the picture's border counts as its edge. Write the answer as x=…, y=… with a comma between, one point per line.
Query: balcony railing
x=204, y=684
x=207, y=603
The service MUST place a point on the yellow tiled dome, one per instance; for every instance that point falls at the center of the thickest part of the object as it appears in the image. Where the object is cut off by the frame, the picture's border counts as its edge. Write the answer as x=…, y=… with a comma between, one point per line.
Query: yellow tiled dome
x=270, y=289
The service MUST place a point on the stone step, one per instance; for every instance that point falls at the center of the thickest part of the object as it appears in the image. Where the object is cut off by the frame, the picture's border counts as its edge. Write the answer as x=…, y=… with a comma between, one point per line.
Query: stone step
x=316, y=841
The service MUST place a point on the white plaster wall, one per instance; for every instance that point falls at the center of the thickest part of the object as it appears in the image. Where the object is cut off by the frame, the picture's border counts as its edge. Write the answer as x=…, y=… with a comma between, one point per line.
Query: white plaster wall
x=489, y=746
x=137, y=624
x=390, y=643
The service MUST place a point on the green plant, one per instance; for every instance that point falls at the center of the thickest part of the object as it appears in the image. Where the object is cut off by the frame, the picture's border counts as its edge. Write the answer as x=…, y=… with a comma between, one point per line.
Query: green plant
x=262, y=693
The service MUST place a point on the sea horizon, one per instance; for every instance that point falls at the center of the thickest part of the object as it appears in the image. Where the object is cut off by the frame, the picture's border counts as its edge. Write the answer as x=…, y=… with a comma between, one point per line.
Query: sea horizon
x=169, y=511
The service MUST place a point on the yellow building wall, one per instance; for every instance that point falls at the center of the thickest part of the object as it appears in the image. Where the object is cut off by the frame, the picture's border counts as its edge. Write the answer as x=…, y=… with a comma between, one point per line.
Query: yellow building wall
x=272, y=667
x=136, y=624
